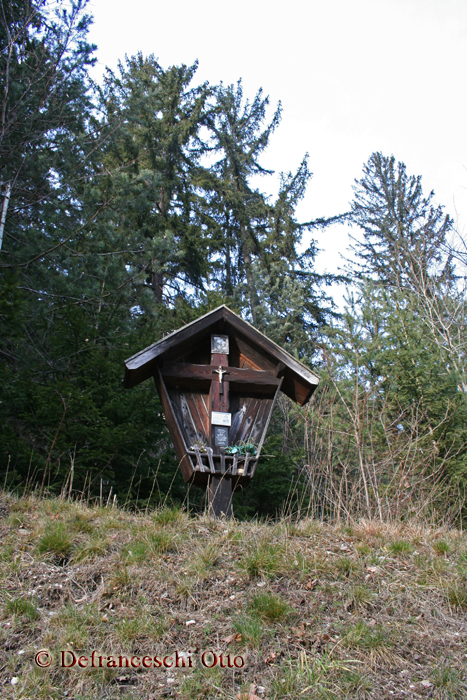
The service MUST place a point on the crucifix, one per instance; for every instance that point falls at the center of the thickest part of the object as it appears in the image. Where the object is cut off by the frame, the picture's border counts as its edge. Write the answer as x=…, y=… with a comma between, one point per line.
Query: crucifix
x=219, y=393
x=220, y=372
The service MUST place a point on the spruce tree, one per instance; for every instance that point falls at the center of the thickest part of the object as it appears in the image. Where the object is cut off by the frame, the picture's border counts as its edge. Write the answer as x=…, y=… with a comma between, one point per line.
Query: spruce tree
x=45, y=106
x=259, y=266
x=239, y=136
x=63, y=410
x=410, y=296
x=149, y=173
x=404, y=233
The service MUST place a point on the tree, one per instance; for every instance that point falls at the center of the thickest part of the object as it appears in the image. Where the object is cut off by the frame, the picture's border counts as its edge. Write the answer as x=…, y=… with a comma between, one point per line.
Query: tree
x=240, y=212
x=149, y=174
x=63, y=411
x=45, y=105
x=404, y=233
x=405, y=248
x=410, y=296
x=259, y=266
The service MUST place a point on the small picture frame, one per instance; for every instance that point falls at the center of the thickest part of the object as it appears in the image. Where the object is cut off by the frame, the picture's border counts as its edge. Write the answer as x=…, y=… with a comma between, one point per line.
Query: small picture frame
x=220, y=344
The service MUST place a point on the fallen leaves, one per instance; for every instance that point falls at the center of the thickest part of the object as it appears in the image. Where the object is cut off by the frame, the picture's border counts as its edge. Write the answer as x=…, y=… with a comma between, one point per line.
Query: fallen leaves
x=270, y=658
x=236, y=637
x=312, y=583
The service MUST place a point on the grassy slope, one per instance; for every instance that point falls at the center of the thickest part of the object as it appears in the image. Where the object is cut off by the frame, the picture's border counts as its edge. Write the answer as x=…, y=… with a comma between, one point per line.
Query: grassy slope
x=317, y=611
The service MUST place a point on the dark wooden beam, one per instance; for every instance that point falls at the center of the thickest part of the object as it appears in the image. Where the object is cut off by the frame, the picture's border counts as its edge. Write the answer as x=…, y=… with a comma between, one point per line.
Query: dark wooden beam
x=186, y=370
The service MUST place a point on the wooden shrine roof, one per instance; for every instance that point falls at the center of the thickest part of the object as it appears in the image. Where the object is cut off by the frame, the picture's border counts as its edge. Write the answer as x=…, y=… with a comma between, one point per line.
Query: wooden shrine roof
x=299, y=381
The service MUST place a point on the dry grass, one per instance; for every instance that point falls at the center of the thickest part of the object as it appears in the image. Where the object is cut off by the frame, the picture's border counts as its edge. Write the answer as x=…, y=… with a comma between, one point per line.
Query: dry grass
x=318, y=612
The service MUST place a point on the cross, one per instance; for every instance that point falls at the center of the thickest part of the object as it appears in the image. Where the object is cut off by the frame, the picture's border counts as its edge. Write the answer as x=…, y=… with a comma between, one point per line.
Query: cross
x=220, y=372
x=220, y=489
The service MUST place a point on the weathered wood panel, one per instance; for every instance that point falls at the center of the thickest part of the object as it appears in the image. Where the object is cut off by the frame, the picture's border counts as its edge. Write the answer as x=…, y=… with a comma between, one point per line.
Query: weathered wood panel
x=192, y=415
x=175, y=430
x=200, y=406
x=249, y=415
x=244, y=362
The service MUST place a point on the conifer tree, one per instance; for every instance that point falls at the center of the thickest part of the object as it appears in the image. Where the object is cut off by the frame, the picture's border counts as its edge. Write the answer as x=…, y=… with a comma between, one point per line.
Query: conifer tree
x=149, y=172
x=63, y=338
x=239, y=137
x=45, y=103
x=414, y=309
x=404, y=232
x=258, y=236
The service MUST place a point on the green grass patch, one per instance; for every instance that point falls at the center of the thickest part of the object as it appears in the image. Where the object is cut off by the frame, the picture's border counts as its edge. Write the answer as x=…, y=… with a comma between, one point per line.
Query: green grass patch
x=82, y=522
x=355, y=684
x=362, y=549
x=400, y=547
x=200, y=684
x=146, y=548
x=441, y=547
x=137, y=551
x=23, y=608
x=263, y=559
x=250, y=629
x=365, y=637
x=168, y=516
x=161, y=541
x=360, y=596
x=449, y=683
x=457, y=596
x=74, y=626
x=346, y=566
x=96, y=546
x=120, y=579
x=269, y=606
x=130, y=629
x=56, y=540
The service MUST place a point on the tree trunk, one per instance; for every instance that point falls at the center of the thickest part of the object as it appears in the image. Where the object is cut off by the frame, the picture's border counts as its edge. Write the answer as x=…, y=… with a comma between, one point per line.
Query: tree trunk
x=157, y=282
x=6, y=201
x=252, y=292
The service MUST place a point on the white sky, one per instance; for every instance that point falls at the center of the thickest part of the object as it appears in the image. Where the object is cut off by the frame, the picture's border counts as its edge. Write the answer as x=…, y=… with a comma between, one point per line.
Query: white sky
x=354, y=77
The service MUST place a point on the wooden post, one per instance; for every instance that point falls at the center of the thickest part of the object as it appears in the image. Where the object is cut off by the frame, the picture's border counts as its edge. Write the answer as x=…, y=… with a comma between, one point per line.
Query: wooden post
x=220, y=488
x=220, y=497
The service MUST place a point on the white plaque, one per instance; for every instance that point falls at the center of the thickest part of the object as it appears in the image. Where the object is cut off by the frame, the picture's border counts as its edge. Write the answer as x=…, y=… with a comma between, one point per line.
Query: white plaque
x=218, y=418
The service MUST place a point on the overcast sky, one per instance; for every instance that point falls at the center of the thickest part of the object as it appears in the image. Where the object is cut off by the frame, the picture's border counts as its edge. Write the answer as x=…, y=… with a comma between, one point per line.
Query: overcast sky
x=353, y=76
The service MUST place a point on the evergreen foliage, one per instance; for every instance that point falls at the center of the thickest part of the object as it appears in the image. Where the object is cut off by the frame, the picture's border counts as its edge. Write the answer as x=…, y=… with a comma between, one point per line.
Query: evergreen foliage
x=130, y=209
x=261, y=268
x=149, y=176
x=395, y=359
x=404, y=233
x=111, y=237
